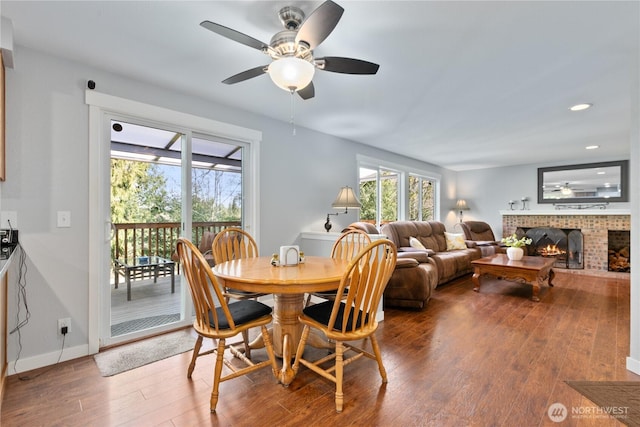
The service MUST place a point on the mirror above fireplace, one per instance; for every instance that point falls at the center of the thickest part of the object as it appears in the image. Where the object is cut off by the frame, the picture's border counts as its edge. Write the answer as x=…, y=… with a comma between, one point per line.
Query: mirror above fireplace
x=585, y=183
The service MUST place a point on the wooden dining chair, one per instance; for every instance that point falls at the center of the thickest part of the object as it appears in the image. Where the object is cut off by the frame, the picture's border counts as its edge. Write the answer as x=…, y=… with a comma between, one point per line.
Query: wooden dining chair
x=351, y=316
x=345, y=247
x=235, y=243
x=219, y=320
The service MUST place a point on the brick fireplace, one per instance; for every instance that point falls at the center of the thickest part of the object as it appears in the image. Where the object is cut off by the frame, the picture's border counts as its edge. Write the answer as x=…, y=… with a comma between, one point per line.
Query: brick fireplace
x=594, y=225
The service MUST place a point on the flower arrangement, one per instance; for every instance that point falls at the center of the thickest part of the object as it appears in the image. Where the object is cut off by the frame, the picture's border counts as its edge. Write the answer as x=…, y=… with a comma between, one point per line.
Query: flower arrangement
x=513, y=241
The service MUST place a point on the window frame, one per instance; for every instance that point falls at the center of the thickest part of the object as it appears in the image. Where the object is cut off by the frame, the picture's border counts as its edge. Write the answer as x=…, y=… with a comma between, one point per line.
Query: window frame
x=404, y=172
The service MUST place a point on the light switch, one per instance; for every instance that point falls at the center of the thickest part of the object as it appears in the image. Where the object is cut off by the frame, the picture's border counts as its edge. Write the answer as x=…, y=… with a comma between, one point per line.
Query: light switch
x=64, y=219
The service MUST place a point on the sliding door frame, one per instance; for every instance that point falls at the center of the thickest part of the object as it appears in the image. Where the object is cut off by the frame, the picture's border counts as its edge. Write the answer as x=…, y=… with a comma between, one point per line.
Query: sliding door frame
x=101, y=108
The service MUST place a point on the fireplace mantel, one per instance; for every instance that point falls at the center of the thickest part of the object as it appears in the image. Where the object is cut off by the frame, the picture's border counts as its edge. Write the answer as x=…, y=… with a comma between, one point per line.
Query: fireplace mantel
x=567, y=212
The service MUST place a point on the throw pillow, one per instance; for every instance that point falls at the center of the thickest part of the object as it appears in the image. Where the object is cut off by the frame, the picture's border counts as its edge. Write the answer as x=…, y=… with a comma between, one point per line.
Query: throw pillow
x=454, y=241
x=415, y=243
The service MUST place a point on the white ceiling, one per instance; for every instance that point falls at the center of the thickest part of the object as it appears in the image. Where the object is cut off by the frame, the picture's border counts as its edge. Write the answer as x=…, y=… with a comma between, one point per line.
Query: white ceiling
x=463, y=85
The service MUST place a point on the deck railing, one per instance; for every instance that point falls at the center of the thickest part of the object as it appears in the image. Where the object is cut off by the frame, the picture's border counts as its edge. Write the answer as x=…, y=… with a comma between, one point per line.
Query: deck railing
x=132, y=240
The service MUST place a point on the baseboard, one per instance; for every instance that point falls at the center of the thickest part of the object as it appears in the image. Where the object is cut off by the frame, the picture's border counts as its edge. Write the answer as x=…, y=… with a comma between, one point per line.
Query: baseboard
x=30, y=363
x=633, y=365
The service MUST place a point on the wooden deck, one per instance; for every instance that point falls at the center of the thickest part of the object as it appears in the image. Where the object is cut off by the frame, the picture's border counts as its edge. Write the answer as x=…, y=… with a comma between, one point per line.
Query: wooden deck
x=148, y=299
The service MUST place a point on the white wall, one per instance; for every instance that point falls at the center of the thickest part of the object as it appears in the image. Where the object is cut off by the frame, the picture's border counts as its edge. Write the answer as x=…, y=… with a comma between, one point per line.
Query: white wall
x=488, y=191
x=47, y=170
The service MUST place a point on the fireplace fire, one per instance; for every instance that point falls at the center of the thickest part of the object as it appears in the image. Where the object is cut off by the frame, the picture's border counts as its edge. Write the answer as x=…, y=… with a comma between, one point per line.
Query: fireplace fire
x=550, y=250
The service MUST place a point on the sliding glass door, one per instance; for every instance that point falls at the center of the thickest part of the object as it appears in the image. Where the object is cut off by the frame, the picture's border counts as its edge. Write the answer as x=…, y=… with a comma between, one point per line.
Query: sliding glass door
x=164, y=183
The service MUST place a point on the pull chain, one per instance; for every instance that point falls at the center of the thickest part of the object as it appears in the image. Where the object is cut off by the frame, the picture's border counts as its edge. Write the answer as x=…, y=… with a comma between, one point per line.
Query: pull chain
x=293, y=123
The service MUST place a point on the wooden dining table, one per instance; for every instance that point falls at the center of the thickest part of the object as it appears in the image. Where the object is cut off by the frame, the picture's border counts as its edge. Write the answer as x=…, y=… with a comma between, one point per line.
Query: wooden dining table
x=288, y=284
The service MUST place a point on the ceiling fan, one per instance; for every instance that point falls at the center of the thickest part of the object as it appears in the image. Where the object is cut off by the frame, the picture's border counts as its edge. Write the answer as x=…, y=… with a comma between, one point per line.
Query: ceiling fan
x=566, y=189
x=291, y=50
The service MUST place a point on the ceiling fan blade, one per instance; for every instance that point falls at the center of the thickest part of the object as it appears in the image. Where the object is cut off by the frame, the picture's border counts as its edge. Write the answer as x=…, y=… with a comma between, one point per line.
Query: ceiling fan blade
x=246, y=75
x=307, y=92
x=337, y=64
x=319, y=24
x=234, y=35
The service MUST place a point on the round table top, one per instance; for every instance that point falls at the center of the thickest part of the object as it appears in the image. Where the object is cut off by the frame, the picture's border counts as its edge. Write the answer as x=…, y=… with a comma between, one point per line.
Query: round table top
x=258, y=275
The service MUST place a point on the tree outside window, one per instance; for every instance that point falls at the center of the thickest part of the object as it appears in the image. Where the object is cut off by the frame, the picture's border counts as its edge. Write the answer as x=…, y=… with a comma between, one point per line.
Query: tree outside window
x=379, y=195
x=421, y=198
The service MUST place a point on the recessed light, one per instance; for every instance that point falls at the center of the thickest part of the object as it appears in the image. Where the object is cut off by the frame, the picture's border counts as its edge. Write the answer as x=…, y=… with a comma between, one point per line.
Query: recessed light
x=592, y=147
x=580, y=107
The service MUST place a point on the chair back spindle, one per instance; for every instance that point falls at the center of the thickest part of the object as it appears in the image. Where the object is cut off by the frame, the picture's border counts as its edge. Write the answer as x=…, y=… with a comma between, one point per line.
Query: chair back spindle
x=206, y=293
x=349, y=244
x=233, y=243
x=361, y=288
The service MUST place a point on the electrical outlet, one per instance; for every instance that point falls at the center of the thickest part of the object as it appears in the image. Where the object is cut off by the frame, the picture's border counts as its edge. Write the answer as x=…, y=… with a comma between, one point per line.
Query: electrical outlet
x=64, y=323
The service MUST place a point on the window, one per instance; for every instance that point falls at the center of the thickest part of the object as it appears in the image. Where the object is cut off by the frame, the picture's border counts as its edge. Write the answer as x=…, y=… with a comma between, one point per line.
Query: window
x=421, y=198
x=394, y=192
x=379, y=195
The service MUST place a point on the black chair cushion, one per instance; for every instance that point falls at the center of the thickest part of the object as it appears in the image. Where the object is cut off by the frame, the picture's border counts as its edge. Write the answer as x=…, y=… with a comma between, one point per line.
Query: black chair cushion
x=321, y=313
x=242, y=312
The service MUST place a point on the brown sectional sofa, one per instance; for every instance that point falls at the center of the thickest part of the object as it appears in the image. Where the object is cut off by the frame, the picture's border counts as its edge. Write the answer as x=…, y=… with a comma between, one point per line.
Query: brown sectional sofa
x=418, y=272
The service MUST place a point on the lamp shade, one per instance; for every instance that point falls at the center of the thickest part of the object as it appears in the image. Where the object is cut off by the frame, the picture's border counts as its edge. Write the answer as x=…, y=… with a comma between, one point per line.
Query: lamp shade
x=346, y=199
x=461, y=205
x=291, y=73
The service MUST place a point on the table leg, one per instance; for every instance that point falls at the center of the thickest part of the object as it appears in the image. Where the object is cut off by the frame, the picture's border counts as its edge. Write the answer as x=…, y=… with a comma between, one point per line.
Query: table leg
x=173, y=278
x=536, y=290
x=286, y=309
x=476, y=279
x=127, y=276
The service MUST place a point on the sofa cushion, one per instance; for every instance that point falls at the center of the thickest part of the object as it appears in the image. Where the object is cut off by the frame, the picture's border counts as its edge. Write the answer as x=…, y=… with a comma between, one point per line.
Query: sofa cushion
x=410, y=285
x=416, y=254
x=478, y=230
x=454, y=264
x=429, y=233
x=454, y=241
x=364, y=226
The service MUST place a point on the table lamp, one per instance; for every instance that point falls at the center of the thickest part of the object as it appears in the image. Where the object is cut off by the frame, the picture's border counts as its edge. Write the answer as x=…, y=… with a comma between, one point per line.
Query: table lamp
x=461, y=205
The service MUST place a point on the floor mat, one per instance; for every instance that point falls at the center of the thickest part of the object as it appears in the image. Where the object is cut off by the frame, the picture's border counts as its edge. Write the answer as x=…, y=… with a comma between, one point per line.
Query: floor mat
x=618, y=399
x=140, y=324
x=140, y=353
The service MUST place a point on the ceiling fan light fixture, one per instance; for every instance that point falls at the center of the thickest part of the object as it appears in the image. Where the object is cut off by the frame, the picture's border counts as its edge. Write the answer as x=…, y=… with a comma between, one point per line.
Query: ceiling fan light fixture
x=291, y=73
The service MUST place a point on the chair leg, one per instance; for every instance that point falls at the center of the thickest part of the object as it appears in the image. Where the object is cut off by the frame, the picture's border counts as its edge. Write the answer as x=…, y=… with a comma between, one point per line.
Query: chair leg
x=217, y=372
x=339, y=372
x=376, y=351
x=300, y=349
x=269, y=347
x=196, y=351
x=247, y=347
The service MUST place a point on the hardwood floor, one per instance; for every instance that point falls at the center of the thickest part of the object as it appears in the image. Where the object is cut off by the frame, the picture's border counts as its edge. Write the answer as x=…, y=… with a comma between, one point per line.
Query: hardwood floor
x=492, y=358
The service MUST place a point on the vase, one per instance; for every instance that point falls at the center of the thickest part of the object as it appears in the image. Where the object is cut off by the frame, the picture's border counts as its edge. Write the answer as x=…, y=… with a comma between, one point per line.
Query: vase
x=515, y=254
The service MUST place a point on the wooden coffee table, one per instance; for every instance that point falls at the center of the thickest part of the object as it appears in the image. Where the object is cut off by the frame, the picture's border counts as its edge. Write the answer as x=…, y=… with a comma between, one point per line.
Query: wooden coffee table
x=532, y=269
